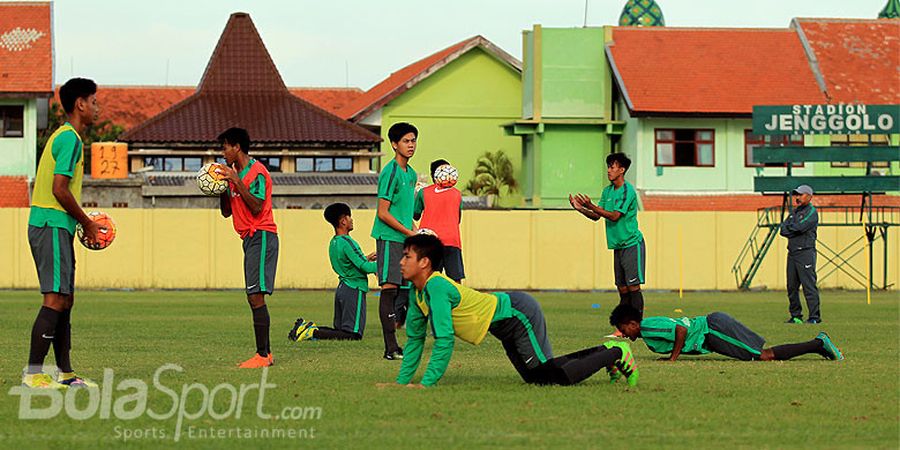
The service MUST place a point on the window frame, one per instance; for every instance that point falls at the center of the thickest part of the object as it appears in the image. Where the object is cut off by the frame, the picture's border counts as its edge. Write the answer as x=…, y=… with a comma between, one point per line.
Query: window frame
x=5, y=114
x=696, y=141
x=761, y=141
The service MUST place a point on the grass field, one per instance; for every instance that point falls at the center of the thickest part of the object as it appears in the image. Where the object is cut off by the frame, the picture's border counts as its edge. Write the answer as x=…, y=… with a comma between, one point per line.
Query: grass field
x=481, y=402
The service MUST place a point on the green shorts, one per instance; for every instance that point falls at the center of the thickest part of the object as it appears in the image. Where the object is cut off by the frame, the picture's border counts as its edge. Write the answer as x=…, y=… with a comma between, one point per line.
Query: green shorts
x=389, y=254
x=54, y=258
x=260, y=260
x=349, y=309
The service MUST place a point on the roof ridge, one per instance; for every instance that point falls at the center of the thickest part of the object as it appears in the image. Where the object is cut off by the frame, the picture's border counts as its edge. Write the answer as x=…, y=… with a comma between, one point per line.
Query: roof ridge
x=672, y=29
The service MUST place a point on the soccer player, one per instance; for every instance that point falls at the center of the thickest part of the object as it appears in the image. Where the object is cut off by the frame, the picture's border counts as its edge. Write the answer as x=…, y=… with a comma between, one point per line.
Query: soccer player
x=618, y=205
x=440, y=210
x=55, y=210
x=393, y=223
x=800, y=230
x=714, y=333
x=352, y=269
x=449, y=309
x=248, y=201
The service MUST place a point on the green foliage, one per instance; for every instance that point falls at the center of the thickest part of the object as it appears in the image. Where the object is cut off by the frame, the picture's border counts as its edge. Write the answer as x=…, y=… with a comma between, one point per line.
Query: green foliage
x=493, y=172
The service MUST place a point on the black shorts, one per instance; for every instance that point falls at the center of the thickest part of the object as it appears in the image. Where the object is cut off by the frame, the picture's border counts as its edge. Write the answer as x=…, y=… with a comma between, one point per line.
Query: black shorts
x=524, y=335
x=260, y=260
x=389, y=254
x=54, y=258
x=731, y=338
x=629, y=264
x=453, y=264
x=349, y=309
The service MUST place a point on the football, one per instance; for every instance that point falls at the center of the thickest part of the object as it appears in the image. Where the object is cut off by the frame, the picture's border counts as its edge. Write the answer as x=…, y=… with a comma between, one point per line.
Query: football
x=107, y=231
x=209, y=181
x=446, y=176
x=428, y=231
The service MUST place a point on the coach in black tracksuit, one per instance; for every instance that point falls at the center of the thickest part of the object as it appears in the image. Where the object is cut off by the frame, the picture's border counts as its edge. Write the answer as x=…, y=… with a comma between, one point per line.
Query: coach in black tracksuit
x=800, y=229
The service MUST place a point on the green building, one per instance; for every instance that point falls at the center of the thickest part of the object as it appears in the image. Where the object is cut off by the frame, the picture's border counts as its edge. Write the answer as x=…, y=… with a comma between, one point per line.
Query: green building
x=458, y=98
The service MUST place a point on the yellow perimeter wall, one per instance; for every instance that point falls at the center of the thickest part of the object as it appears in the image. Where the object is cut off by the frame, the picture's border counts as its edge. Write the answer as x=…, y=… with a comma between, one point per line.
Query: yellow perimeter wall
x=189, y=248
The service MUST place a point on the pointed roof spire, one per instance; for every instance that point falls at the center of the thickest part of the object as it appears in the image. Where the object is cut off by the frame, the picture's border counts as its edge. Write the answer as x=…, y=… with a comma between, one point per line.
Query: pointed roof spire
x=241, y=87
x=642, y=13
x=891, y=10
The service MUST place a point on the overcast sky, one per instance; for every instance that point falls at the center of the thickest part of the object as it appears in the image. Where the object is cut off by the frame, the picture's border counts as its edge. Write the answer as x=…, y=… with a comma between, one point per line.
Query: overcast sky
x=318, y=43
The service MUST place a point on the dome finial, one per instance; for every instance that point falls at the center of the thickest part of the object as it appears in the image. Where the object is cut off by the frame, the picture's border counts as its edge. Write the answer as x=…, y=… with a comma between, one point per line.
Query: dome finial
x=891, y=10
x=641, y=13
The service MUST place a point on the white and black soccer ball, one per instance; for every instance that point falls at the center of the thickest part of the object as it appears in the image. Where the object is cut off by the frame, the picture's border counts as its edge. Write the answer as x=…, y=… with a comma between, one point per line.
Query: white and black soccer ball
x=211, y=182
x=446, y=176
x=427, y=231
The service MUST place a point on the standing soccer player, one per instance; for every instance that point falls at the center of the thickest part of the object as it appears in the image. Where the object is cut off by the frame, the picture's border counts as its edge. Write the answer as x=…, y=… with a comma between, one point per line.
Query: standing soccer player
x=440, y=210
x=800, y=230
x=55, y=210
x=248, y=201
x=618, y=205
x=393, y=223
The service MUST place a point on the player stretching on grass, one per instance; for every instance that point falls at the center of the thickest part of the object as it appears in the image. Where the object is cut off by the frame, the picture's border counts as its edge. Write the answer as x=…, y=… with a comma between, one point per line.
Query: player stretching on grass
x=618, y=205
x=515, y=318
x=55, y=209
x=715, y=333
x=248, y=201
x=352, y=269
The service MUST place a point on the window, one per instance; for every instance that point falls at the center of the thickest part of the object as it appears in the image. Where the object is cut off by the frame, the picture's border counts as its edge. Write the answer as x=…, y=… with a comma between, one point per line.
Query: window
x=273, y=164
x=12, y=121
x=752, y=141
x=685, y=147
x=324, y=164
x=173, y=164
x=859, y=140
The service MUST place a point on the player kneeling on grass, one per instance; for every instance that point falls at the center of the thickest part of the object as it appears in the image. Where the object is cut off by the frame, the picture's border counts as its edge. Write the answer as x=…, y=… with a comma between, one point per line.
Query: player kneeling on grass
x=515, y=318
x=352, y=269
x=715, y=333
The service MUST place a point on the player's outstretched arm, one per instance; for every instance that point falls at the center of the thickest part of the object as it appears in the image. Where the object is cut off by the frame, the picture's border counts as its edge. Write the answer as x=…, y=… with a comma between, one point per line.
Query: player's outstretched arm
x=578, y=206
x=680, y=337
x=385, y=216
x=442, y=323
x=416, y=325
x=356, y=257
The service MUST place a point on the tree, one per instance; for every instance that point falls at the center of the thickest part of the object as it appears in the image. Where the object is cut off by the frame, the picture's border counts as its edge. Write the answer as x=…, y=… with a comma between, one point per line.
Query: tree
x=103, y=131
x=493, y=171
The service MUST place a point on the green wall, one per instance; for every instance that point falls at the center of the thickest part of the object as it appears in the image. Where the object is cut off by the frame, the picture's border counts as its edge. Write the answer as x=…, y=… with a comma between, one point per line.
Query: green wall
x=574, y=78
x=19, y=155
x=567, y=159
x=459, y=112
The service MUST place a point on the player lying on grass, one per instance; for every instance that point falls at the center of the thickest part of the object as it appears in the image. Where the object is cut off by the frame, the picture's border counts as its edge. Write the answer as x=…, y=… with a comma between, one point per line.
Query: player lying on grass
x=515, y=318
x=715, y=333
x=352, y=269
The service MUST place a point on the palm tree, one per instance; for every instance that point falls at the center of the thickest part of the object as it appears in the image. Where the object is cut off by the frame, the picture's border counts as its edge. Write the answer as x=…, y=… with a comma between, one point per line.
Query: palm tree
x=493, y=171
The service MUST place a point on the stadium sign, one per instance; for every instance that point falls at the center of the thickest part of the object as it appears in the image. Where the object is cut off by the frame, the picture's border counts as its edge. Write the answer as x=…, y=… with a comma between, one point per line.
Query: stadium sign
x=826, y=119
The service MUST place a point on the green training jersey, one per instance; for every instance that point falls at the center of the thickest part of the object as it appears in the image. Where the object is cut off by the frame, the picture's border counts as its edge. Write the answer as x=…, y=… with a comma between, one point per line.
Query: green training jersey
x=449, y=309
x=349, y=262
x=397, y=186
x=62, y=155
x=659, y=334
x=622, y=233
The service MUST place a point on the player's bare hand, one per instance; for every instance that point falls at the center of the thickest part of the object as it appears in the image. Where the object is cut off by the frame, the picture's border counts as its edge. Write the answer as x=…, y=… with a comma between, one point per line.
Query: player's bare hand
x=92, y=230
x=388, y=385
x=372, y=256
x=574, y=202
x=414, y=386
x=583, y=199
x=229, y=173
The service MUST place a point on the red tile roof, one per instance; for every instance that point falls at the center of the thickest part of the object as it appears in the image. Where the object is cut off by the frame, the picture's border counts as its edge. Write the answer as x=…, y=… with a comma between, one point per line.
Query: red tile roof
x=242, y=87
x=858, y=60
x=710, y=71
x=26, y=48
x=14, y=192
x=129, y=106
x=407, y=77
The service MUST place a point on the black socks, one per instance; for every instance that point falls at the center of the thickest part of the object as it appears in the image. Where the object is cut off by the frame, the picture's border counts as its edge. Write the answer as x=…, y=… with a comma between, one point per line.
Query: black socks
x=331, y=333
x=62, y=342
x=637, y=301
x=788, y=351
x=42, y=334
x=388, y=321
x=261, y=330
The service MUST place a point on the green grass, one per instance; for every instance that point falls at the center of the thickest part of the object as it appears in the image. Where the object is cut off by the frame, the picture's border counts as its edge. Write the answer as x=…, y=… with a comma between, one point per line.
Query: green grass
x=698, y=401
